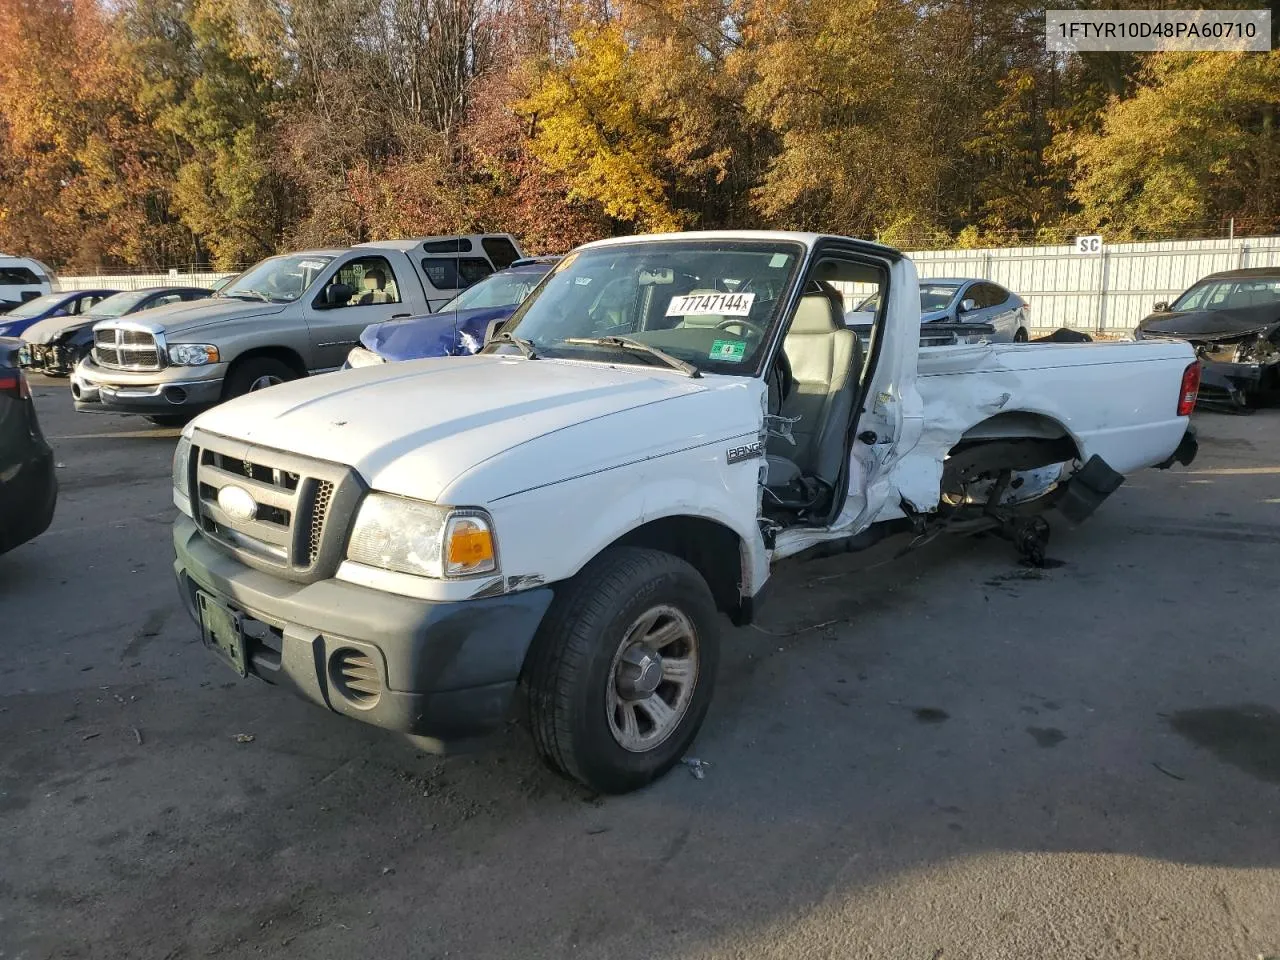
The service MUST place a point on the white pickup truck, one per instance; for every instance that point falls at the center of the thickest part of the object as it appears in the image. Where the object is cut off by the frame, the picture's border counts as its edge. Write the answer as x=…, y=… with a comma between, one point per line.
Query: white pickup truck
x=568, y=513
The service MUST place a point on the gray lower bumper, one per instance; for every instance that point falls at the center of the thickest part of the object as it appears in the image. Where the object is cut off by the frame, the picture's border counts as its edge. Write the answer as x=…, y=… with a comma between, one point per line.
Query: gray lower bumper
x=446, y=670
x=92, y=395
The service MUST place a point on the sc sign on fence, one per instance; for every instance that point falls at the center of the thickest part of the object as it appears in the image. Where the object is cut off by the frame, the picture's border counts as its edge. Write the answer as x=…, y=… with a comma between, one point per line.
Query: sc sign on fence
x=1089, y=244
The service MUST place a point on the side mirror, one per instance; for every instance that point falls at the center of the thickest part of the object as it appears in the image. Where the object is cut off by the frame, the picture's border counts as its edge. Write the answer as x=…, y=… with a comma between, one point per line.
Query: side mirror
x=492, y=330
x=967, y=305
x=336, y=295
x=1161, y=307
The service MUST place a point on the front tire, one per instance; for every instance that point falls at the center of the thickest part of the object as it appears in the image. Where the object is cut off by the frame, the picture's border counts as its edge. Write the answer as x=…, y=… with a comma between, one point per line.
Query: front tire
x=1021, y=336
x=256, y=373
x=621, y=671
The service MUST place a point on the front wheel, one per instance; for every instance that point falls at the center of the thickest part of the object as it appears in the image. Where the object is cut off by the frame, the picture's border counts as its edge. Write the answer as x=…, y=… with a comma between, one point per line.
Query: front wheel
x=620, y=674
x=1021, y=336
x=256, y=373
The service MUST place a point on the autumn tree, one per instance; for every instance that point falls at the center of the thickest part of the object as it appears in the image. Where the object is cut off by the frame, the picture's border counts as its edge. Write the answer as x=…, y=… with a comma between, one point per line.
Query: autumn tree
x=84, y=182
x=1196, y=142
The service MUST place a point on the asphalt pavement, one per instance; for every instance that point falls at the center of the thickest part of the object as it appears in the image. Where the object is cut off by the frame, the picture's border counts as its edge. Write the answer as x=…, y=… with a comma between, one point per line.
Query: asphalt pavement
x=942, y=756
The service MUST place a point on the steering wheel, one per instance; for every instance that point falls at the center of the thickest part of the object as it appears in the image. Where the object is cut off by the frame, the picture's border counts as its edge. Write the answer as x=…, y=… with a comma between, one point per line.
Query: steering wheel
x=746, y=325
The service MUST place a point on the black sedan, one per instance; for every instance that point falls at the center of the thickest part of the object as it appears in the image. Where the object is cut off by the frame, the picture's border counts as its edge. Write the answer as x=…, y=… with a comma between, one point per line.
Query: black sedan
x=1233, y=321
x=56, y=345
x=28, y=487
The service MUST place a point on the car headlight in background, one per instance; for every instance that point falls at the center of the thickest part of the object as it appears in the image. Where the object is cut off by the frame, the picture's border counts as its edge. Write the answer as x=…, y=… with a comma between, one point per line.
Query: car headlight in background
x=181, y=472
x=192, y=354
x=412, y=536
x=360, y=357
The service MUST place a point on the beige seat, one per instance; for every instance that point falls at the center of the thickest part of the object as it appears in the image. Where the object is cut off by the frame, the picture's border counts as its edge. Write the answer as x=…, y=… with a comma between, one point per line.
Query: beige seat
x=826, y=359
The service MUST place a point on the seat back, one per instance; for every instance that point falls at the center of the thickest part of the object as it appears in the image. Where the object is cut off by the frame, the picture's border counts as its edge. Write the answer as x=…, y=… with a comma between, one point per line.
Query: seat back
x=826, y=359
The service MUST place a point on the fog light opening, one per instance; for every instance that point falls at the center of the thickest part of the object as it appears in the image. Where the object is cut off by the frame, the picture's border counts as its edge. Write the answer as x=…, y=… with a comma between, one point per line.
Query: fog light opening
x=175, y=395
x=355, y=676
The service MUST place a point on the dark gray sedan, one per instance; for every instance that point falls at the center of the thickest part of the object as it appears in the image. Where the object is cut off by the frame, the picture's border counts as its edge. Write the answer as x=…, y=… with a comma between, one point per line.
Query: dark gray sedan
x=961, y=300
x=28, y=487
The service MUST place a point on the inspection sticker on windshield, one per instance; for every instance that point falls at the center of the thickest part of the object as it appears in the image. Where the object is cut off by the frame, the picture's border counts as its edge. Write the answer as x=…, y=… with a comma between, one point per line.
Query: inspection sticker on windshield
x=312, y=264
x=713, y=304
x=730, y=351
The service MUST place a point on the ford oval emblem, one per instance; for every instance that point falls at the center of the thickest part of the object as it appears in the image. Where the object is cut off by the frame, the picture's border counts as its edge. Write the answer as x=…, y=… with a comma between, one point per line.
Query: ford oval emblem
x=237, y=503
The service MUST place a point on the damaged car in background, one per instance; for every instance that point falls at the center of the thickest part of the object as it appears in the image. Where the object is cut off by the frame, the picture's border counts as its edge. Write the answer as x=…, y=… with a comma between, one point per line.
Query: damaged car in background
x=1232, y=319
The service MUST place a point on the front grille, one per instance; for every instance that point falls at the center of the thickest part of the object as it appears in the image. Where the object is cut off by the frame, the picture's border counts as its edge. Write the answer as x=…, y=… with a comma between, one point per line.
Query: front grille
x=126, y=349
x=292, y=500
x=356, y=676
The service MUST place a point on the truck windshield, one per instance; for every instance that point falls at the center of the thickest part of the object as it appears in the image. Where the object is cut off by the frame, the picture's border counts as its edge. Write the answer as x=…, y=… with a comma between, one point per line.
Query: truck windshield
x=710, y=303
x=277, y=279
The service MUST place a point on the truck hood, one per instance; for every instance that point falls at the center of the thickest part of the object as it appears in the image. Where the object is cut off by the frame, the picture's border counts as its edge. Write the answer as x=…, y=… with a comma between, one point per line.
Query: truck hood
x=195, y=314
x=415, y=428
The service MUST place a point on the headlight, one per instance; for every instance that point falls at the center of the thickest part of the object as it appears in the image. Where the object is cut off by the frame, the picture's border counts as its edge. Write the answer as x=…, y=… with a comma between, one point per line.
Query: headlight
x=411, y=536
x=181, y=472
x=192, y=354
x=360, y=357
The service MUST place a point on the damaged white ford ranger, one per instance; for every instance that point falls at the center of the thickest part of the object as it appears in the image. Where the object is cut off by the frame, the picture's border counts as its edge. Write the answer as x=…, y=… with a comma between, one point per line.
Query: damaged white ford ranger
x=567, y=513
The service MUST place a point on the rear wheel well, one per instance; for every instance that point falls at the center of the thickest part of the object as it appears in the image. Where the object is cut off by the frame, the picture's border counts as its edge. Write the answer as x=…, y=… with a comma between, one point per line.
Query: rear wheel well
x=1015, y=441
x=711, y=548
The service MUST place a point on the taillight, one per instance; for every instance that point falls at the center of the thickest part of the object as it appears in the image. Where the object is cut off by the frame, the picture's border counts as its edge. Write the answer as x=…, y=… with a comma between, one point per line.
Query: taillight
x=15, y=385
x=1190, y=388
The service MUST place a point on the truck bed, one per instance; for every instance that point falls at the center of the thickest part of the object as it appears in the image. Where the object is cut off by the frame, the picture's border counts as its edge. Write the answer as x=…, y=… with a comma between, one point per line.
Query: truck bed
x=1116, y=400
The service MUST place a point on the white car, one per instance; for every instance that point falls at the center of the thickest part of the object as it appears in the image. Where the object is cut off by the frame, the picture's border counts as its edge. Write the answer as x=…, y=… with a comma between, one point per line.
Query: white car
x=570, y=511
x=22, y=279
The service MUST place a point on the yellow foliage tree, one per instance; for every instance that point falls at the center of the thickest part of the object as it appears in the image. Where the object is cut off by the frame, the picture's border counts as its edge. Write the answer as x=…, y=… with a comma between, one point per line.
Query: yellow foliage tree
x=1197, y=142
x=590, y=128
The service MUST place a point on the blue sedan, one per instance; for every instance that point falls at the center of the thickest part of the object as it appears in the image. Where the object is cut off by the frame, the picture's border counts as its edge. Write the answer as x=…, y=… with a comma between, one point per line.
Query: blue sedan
x=961, y=300
x=69, y=304
x=457, y=328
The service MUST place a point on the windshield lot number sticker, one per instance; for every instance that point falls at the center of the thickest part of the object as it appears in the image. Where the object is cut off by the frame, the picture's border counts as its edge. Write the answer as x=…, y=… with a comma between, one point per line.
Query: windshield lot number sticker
x=711, y=304
x=730, y=351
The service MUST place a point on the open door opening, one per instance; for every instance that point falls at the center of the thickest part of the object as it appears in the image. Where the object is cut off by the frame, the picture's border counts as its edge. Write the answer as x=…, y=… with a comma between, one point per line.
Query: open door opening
x=816, y=387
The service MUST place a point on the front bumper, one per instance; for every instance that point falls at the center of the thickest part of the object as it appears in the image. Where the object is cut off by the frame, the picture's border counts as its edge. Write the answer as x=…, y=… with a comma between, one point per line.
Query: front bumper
x=170, y=390
x=445, y=670
x=49, y=358
x=1228, y=386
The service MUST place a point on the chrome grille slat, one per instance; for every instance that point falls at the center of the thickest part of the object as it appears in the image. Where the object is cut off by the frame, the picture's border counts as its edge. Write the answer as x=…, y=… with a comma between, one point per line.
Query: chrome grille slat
x=126, y=348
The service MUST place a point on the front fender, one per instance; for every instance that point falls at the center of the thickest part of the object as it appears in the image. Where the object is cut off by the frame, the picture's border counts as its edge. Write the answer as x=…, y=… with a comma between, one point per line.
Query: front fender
x=550, y=533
